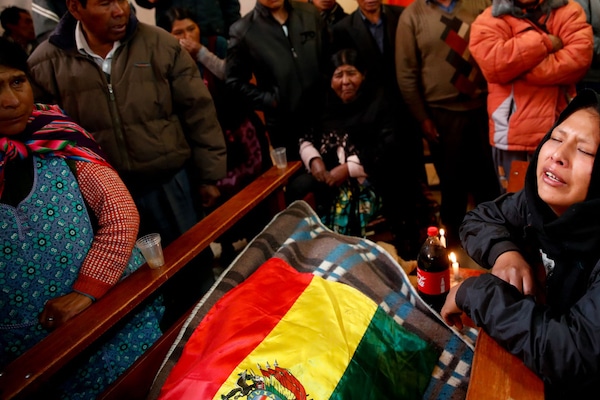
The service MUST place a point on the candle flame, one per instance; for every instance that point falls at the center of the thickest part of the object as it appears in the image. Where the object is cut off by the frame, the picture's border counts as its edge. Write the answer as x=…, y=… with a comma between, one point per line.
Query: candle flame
x=442, y=232
x=452, y=257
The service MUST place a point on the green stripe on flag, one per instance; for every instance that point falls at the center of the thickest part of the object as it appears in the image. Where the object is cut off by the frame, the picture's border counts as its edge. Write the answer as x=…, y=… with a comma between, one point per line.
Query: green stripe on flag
x=389, y=363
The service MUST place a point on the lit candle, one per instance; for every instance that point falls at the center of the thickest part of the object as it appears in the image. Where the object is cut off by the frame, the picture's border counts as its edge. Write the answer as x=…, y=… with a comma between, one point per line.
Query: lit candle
x=443, y=237
x=452, y=258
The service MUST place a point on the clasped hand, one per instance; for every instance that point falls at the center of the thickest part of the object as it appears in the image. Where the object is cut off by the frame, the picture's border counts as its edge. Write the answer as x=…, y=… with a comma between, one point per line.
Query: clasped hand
x=209, y=194
x=335, y=177
x=512, y=268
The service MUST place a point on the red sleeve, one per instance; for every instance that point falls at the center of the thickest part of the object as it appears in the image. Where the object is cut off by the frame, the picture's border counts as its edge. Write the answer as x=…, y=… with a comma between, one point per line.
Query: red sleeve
x=118, y=223
x=569, y=64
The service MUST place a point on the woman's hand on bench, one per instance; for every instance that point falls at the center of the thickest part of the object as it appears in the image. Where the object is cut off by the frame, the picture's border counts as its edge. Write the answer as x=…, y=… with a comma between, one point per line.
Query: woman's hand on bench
x=59, y=310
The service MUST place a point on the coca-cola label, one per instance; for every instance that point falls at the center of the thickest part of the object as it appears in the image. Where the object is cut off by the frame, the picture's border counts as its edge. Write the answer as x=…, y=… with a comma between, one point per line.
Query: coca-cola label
x=433, y=283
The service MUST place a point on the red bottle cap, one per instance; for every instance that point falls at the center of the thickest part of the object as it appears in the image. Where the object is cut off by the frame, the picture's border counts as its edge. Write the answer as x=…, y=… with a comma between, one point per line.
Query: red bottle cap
x=432, y=231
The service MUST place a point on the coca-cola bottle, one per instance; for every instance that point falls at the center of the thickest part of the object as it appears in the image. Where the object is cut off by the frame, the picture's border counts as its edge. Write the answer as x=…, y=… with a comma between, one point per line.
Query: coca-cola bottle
x=433, y=270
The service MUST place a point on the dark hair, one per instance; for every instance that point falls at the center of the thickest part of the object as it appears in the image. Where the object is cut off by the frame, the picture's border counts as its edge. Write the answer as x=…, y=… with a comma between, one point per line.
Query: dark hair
x=12, y=55
x=11, y=16
x=347, y=57
x=173, y=14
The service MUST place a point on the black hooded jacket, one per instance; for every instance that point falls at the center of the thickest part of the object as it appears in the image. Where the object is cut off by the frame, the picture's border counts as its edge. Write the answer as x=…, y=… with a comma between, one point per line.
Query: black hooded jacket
x=558, y=340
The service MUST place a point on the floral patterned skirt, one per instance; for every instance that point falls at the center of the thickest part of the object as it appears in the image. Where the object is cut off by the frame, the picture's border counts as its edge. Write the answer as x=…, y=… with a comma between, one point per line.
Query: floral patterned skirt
x=355, y=205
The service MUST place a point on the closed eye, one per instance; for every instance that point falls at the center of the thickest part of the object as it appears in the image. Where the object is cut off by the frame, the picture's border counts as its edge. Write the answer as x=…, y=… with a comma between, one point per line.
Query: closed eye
x=587, y=153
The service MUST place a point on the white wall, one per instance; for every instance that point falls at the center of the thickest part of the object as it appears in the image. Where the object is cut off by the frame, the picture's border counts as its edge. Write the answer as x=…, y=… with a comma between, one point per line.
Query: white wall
x=348, y=5
x=26, y=4
x=144, y=14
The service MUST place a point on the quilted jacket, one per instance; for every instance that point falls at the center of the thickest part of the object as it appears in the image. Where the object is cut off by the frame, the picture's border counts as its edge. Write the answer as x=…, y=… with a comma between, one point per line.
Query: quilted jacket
x=528, y=84
x=152, y=117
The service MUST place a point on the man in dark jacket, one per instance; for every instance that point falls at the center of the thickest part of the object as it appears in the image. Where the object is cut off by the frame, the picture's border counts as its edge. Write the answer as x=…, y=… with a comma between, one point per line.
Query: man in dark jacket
x=18, y=27
x=141, y=96
x=330, y=10
x=281, y=44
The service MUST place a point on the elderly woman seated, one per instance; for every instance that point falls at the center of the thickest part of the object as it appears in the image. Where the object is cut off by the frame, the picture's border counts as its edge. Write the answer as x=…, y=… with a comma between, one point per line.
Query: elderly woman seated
x=353, y=158
x=68, y=227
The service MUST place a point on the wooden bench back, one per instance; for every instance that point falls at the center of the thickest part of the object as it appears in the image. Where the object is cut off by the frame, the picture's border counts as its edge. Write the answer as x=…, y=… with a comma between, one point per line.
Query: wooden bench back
x=498, y=375
x=516, y=179
x=22, y=377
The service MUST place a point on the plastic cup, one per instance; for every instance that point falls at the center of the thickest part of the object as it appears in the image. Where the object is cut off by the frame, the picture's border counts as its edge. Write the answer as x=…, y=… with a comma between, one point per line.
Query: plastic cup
x=151, y=249
x=279, y=157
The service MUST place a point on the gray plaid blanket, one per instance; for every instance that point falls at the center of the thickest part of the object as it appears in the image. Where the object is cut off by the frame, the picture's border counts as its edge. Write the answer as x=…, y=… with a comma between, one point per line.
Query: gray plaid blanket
x=297, y=236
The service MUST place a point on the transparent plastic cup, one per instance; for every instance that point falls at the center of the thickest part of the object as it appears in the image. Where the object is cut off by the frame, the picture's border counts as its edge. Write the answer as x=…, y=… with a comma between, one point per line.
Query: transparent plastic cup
x=151, y=249
x=279, y=157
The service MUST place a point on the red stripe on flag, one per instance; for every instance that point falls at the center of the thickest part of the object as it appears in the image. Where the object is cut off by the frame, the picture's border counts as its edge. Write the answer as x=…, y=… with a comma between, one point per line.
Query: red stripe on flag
x=202, y=370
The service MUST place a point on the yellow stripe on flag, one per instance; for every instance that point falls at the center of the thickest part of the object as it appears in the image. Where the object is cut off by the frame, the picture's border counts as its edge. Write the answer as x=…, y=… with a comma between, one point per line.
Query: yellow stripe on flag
x=317, y=356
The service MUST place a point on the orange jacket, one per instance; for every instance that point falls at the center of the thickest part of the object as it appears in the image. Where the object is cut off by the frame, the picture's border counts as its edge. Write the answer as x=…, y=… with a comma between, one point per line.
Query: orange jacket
x=528, y=84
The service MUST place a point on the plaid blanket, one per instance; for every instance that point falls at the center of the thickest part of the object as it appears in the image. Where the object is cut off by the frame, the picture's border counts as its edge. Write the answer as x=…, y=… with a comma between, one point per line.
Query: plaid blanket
x=297, y=236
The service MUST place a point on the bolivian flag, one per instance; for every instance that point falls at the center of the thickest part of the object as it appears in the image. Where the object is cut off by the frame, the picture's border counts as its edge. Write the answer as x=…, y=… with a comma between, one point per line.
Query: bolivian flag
x=288, y=335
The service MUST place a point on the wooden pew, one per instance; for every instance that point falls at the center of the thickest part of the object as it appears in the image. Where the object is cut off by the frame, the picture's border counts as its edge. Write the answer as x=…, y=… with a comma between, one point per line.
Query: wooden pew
x=31, y=370
x=496, y=374
x=516, y=179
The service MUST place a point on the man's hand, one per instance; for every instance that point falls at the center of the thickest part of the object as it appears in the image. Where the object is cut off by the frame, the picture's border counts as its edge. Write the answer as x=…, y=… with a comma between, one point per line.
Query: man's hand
x=59, y=310
x=430, y=131
x=557, y=43
x=209, y=195
x=512, y=268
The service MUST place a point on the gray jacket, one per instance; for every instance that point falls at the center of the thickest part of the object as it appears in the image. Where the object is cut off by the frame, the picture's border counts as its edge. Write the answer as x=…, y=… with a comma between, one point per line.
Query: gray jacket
x=592, y=11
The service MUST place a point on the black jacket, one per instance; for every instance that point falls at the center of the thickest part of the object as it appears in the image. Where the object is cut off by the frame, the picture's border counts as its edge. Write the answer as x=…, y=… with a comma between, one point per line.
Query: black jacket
x=558, y=339
x=333, y=16
x=288, y=70
x=371, y=130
